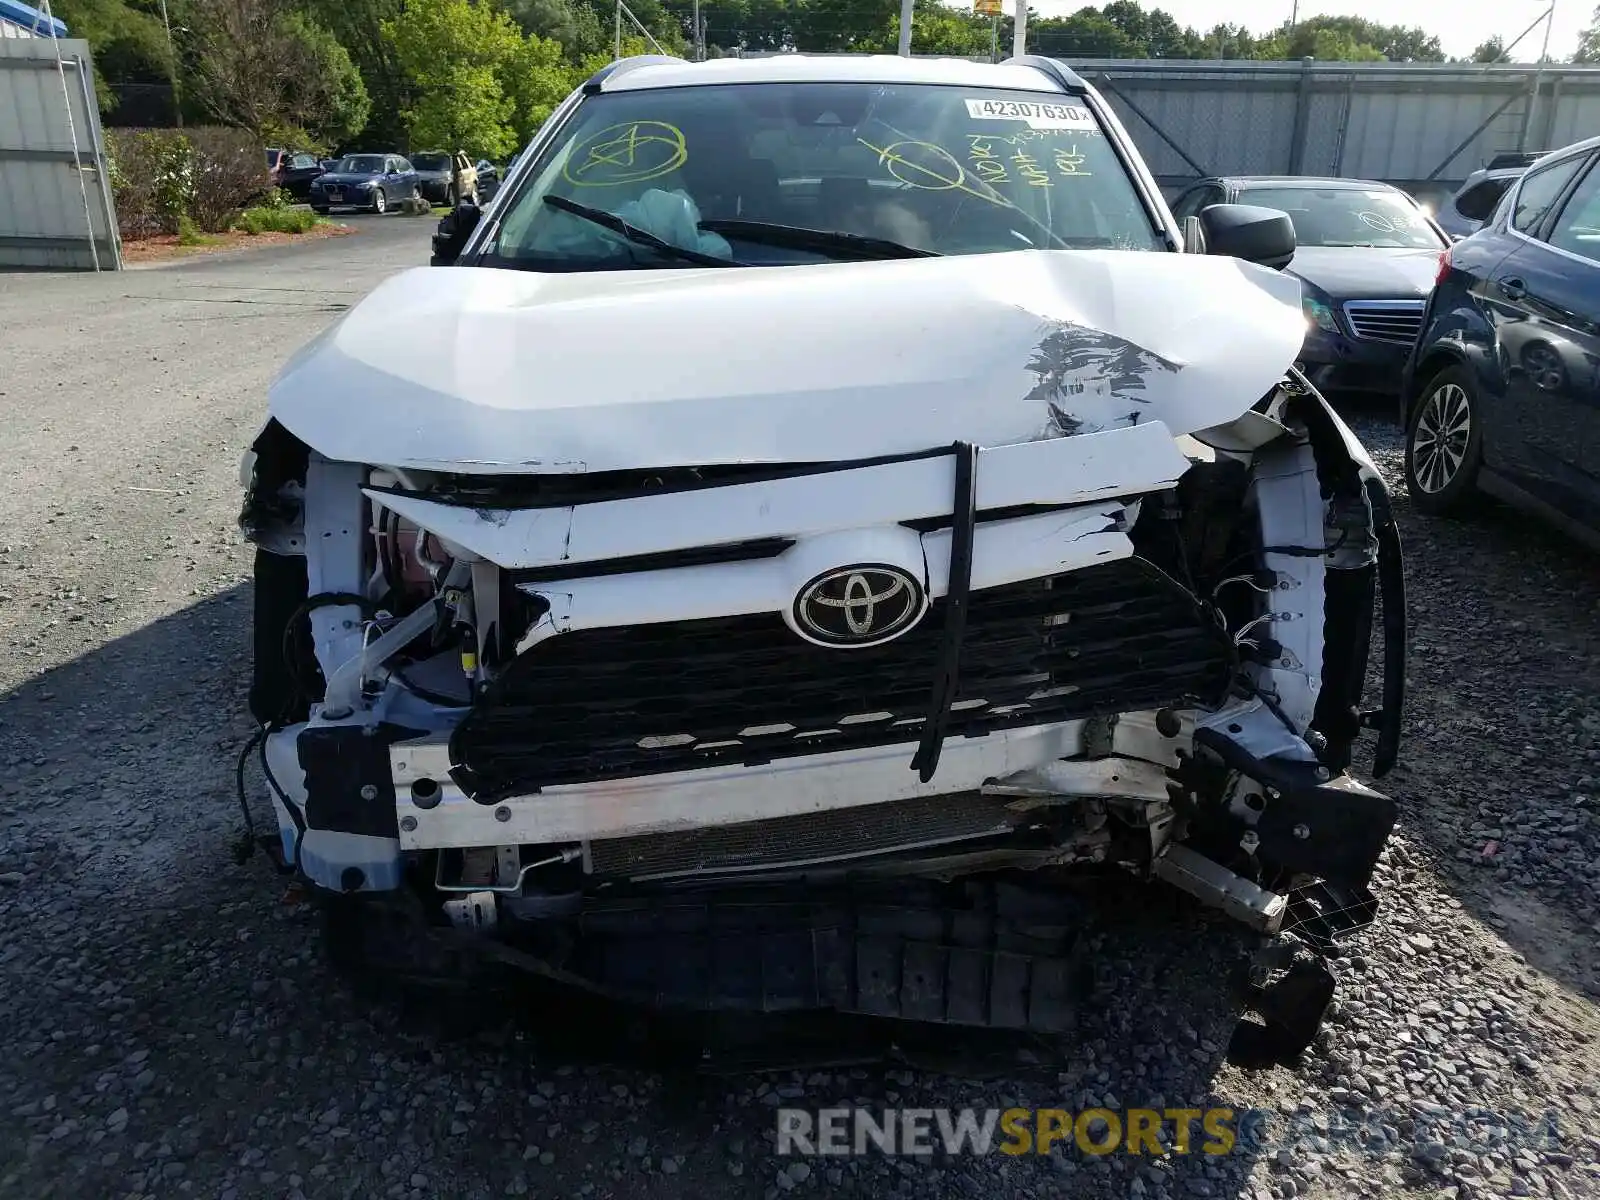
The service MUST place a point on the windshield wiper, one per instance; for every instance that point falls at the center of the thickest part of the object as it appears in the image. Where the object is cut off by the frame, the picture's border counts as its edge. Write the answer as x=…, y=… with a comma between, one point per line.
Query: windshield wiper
x=634, y=234
x=823, y=241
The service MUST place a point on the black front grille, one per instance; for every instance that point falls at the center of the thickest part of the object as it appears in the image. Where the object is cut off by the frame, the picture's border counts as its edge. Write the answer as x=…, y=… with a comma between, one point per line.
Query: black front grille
x=614, y=703
x=1397, y=321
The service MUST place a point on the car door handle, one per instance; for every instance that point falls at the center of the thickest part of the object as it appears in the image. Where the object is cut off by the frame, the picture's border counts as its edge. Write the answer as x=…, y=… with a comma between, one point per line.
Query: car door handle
x=1511, y=287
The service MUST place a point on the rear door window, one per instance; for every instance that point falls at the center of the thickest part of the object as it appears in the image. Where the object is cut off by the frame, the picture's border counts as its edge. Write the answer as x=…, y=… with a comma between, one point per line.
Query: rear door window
x=1539, y=192
x=1477, y=203
x=1577, y=229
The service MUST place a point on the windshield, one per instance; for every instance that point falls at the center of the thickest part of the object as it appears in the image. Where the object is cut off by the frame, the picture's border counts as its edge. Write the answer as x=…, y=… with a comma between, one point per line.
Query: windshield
x=940, y=169
x=1349, y=217
x=431, y=162
x=361, y=164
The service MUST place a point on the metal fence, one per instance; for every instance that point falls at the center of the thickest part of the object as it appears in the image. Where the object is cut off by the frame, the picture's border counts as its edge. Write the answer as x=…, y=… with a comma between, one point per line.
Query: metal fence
x=1422, y=126
x=56, y=210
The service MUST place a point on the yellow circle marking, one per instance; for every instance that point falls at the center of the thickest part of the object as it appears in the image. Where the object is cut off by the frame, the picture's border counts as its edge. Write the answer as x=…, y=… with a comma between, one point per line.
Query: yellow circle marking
x=937, y=172
x=628, y=153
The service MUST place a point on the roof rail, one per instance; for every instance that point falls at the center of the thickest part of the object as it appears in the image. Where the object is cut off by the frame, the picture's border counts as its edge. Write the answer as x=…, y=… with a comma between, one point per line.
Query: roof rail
x=1515, y=158
x=1053, y=67
x=622, y=65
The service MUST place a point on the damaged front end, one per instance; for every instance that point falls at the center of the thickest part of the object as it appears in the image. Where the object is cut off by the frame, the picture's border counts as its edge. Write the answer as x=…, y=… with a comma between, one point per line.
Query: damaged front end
x=799, y=736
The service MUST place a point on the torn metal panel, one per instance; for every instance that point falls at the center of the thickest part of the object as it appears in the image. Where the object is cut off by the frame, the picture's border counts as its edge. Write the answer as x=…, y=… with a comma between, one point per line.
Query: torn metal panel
x=477, y=370
x=1213, y=884
x=1120, y=462
x=1109, y=778
x=700, y=799
x=1004, y=552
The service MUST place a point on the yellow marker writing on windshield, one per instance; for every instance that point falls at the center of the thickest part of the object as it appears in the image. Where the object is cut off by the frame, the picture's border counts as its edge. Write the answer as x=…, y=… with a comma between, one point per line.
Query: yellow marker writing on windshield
x=631, y=152
x=940, y=172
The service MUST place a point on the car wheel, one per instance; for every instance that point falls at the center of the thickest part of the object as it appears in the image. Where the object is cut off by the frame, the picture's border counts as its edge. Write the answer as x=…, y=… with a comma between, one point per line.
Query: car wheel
x=380, y=202
x=1444, y=443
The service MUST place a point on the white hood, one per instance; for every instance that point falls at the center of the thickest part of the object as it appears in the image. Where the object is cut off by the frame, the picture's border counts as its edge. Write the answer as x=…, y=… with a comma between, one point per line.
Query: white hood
x=488, y=370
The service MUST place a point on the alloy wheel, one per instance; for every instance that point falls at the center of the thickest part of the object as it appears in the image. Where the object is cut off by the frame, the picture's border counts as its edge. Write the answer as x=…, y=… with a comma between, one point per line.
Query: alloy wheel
x=1439, y=444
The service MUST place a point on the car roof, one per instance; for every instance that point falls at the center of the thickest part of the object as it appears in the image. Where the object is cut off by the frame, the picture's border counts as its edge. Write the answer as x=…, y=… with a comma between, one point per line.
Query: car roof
x=1582, y=147
x=640, y=74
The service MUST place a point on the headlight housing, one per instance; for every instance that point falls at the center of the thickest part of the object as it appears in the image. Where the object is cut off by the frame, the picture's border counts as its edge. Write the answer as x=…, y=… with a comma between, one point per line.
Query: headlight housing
x=1319, y=314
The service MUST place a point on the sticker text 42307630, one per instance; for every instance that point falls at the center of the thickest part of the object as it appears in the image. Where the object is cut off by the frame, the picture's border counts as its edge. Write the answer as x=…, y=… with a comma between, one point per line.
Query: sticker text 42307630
x=1036, y=115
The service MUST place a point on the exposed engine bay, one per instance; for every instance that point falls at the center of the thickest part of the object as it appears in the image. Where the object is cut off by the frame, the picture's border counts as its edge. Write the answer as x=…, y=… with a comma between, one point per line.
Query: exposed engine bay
x=827, y=735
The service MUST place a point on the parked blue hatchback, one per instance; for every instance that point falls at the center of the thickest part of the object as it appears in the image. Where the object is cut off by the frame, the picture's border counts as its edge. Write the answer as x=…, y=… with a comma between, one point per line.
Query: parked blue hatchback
x=1502, y=392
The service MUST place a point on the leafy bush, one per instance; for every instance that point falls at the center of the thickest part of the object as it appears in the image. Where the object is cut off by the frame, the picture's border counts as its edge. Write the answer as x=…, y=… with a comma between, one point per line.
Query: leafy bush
x=152, y=176
x=189, y=233
x=230, y=171
x=276, y=220
x=159, y=176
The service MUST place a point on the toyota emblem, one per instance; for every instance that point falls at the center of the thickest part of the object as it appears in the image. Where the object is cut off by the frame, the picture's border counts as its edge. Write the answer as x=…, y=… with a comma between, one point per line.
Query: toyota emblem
x=859, y=606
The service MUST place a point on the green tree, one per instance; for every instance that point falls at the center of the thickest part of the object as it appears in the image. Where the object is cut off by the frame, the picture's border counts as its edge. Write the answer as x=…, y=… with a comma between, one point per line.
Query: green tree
x=358, y=26
x=572, y=23
x=1087, y=33
x=1589, y=41
x=455, y=55
x=536, y=77
x=1350, y=39
x=129, y=45
x=939, y=29
x=263, y=66
x=343, y=104
x=1490, y=51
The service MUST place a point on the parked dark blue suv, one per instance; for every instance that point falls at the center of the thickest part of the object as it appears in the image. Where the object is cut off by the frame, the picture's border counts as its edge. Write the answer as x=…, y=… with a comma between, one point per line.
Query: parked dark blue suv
x=1502, y=392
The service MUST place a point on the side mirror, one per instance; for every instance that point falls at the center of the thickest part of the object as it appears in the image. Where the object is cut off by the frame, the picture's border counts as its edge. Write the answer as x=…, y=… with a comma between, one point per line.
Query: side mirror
x=1257, y=235
x=455, y=227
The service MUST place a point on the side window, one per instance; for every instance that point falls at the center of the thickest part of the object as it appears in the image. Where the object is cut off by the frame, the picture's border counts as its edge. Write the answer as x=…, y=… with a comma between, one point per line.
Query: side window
x=402, y=165
x=1540, y=189
x=1477, y=202
x=1577, y=229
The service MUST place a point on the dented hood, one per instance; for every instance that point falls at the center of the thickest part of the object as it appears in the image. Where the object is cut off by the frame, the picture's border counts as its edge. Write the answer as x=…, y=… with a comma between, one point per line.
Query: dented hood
x=485, y=370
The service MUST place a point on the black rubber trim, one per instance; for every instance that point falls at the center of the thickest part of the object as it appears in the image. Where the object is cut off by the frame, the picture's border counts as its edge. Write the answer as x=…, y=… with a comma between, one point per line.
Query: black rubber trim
x=1009, y=513
x=721, y=476
x=1346, y=648
x=957, y=595
x=666, y=560
x=1392, y=588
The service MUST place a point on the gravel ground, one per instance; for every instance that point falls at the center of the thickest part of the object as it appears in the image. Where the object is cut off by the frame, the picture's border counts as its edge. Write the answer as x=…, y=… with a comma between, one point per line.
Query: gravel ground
x=169, y=1029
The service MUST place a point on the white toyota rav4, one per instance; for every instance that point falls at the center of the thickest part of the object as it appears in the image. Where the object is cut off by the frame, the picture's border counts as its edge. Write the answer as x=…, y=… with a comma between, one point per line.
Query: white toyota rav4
x=822, y=507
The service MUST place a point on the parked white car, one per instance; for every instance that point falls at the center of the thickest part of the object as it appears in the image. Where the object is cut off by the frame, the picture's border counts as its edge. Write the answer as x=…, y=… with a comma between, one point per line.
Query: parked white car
x=707, y=635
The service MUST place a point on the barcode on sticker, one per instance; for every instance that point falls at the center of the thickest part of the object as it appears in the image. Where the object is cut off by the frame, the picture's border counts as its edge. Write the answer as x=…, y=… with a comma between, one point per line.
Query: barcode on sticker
x=1040, y=116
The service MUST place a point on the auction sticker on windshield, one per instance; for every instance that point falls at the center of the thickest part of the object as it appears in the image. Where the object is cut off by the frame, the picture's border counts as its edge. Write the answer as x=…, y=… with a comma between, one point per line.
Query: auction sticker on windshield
x=1038, y=116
